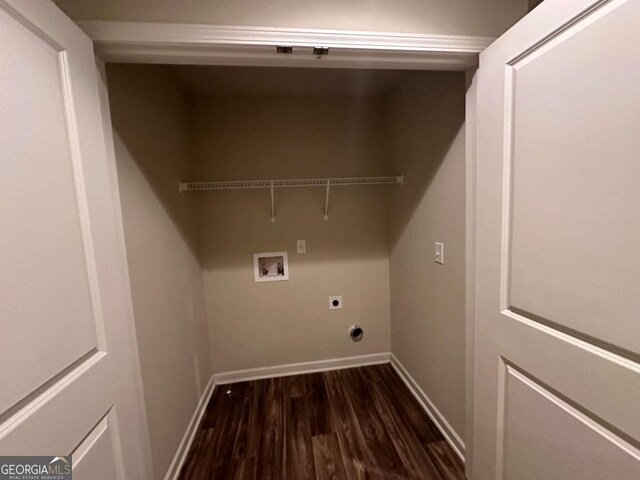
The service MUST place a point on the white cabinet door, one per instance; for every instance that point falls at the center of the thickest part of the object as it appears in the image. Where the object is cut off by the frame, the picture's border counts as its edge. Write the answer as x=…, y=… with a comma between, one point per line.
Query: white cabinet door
x=557, y=378
x=69, y=376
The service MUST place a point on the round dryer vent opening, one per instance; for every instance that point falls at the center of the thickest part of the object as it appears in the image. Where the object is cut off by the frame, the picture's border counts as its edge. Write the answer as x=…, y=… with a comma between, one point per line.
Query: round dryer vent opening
x=355, y=333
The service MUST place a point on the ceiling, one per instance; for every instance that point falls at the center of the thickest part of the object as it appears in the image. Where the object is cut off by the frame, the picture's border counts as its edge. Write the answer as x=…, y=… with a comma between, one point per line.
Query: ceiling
x=298, y=82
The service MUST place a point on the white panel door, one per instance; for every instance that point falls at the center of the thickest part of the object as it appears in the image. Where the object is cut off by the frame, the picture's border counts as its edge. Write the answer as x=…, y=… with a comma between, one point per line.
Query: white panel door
x=557, y=378
x=69, y=378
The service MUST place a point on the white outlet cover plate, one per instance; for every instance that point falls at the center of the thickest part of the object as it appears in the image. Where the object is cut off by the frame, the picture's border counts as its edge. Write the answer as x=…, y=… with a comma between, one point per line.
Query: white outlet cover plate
x=301, y=246
x=335, y=307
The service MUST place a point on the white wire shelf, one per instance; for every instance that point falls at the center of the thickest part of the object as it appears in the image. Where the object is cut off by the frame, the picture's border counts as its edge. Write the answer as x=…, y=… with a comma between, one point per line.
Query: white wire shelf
x=305, y=182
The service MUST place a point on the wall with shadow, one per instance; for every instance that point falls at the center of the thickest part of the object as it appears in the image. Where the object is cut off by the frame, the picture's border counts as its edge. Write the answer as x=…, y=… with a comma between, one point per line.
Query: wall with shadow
x=376, y=249
x=262, y=324
x=425, y=118
x=150, y=128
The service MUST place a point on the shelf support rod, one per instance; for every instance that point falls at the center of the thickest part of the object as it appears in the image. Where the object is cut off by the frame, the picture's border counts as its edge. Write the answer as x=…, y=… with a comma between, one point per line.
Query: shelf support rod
x=273, y=206
x=326, y=201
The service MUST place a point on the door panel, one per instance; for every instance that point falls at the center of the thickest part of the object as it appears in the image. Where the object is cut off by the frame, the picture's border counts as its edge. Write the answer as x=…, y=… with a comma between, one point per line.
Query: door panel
x=567, y=188
x=603, y=383
x=557, y=376
x=67, y=345
x=95, y=458
x=540, y=432
x=57, y=418
x=48, y=263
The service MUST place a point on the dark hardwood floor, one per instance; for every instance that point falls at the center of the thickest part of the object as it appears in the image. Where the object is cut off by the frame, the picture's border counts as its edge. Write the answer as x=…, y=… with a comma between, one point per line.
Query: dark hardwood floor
x=359, y=423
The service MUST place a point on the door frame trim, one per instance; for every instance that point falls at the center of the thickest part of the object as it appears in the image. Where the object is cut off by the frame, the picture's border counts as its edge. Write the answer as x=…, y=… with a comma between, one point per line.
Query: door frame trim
x=144, y=42
x=144, y=443
x=176, y=43
x=471, y=160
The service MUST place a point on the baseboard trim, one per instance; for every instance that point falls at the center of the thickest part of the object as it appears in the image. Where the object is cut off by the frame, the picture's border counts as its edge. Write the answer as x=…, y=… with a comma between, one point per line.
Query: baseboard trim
x=447, y=430
x=301, y=368
x=190, y=433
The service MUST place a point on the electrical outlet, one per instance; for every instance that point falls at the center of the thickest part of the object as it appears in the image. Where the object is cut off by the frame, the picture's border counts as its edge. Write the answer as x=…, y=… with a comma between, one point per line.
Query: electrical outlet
x=335, y=303
x=301, y=246
x=439, y=257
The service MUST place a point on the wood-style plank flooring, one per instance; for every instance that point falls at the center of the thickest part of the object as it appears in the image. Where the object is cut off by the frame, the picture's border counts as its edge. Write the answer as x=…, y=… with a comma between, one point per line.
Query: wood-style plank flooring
x=359, y=423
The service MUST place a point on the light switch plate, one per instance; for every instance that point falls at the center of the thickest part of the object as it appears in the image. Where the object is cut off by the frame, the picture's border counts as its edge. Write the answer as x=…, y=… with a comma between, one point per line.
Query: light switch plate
x=439, y=254
x=301, y=246
x=335, y=303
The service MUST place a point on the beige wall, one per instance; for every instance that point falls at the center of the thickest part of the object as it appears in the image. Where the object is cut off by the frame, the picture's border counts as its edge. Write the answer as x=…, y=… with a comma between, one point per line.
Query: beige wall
x=150, y=134
x=376, y=249
x=452, y=17
x=426, y=128
x=262, y=324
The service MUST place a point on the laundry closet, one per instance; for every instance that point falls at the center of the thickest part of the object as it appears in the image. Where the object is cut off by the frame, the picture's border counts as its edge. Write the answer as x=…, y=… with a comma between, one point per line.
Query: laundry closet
x=301, y=240
x=356, y=174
